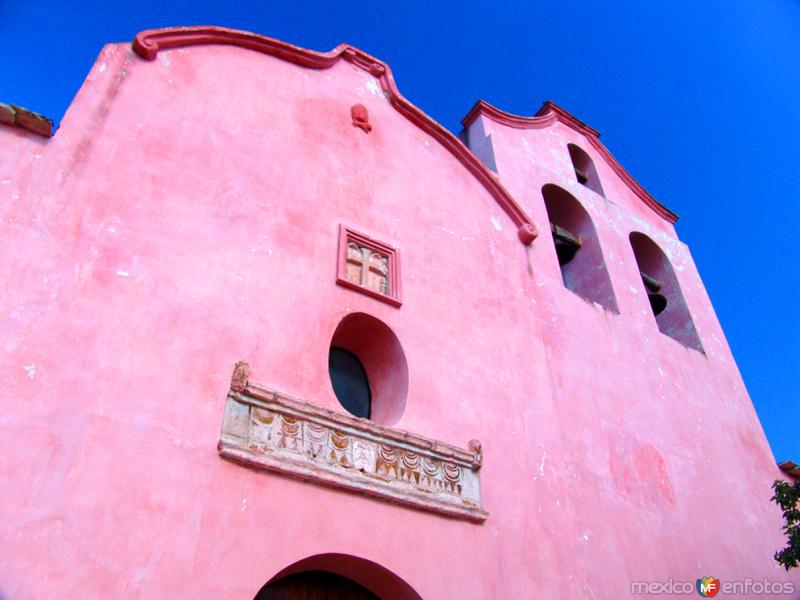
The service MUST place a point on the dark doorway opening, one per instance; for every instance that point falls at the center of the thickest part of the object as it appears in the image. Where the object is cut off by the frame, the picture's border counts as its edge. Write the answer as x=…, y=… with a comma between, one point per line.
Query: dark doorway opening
x=314, y=585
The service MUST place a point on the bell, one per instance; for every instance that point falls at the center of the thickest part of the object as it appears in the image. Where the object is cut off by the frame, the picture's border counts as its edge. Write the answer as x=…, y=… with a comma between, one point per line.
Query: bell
x=565, y=251
x=658, y=302
x=566, y=243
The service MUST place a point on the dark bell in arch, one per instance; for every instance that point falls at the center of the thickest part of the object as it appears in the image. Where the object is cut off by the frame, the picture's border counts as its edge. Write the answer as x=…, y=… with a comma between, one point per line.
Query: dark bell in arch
x=658, y=302
x=565, y=251
x=566, y=243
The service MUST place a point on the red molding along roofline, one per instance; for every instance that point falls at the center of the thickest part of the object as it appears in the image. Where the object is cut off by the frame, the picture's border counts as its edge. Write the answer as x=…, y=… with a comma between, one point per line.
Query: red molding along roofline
x=790, y=468
x=548, y=114
x=148, y=43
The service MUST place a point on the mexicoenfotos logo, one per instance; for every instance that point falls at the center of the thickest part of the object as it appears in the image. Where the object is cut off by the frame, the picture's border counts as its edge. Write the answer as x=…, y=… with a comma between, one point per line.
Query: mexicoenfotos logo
x=708, y=587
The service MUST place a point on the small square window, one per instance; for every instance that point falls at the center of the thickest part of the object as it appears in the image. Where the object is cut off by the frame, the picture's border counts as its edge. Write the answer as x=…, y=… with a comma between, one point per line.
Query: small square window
x=368, y=266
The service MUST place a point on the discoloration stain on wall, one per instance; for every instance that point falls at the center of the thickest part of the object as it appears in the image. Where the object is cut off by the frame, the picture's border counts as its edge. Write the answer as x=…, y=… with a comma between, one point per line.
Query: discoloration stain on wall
x=640, y=475
x=84, y=147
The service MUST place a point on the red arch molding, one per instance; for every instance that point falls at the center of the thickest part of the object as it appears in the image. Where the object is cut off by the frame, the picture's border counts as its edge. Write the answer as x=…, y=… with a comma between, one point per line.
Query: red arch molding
x=148, y=43
x=549, y=113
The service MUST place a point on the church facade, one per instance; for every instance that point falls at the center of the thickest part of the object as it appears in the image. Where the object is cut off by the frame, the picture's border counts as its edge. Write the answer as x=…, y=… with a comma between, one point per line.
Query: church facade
x=269, y=328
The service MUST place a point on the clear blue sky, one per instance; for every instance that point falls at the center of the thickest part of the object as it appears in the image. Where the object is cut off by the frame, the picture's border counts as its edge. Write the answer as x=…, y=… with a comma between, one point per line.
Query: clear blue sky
x=701, y=105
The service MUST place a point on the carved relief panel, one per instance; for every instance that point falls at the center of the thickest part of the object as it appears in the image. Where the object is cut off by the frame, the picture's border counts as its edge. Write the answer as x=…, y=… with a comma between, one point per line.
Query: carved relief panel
x=368, y=266
x=265, y=429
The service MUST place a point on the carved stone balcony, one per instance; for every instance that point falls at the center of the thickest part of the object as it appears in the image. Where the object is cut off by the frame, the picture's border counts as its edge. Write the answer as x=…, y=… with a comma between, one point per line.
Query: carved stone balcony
x=268, y=430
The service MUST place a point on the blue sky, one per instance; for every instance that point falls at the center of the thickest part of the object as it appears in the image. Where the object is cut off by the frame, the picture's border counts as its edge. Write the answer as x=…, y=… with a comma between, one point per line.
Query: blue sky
x=700, y=101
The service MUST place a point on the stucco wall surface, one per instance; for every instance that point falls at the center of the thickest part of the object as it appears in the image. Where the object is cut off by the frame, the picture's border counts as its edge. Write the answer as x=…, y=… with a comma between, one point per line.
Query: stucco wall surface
x=185, y=216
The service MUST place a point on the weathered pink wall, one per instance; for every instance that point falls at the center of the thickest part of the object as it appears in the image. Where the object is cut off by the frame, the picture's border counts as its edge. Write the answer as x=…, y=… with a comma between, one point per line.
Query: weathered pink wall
x=185, y=216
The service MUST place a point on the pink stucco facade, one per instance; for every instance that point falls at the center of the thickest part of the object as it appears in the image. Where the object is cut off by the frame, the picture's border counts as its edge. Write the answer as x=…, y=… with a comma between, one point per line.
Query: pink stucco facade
x=186, y=215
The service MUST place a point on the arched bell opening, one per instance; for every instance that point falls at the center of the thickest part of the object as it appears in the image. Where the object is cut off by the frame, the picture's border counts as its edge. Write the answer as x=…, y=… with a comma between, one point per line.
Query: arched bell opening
x=585, y=171
x=663, y=291
x=580, y=258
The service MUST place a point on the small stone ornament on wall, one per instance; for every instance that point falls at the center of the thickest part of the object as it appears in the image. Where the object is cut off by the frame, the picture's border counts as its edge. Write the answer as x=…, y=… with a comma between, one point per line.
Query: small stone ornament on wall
x=360, y=117
x=267, y=430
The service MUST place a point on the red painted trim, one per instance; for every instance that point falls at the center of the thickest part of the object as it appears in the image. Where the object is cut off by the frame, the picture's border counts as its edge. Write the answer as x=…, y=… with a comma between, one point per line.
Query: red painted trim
x=148, y=43
x=790, y=468
x=346, y=234
x=548, y=114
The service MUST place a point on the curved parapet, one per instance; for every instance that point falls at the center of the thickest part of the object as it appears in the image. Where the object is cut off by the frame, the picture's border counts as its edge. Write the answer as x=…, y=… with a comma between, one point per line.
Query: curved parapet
x=148, y=43
x=548, y=114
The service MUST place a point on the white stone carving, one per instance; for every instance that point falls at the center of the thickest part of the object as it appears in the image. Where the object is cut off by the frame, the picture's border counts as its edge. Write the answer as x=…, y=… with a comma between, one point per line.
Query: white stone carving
x=268, y=430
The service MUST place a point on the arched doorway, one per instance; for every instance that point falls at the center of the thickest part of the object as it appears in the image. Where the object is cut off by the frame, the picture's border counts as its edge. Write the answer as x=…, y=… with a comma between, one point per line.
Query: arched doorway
x=314, y=585
x=336, y=577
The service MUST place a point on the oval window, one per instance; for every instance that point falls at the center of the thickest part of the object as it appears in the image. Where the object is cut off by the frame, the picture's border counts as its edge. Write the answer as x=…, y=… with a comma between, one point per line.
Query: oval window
x=350, y=383
x=368, y=369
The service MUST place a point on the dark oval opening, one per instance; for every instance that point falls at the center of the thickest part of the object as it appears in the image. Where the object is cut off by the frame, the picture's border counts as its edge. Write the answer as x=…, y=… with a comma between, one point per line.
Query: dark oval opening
x=376, y=369
x=350, y=383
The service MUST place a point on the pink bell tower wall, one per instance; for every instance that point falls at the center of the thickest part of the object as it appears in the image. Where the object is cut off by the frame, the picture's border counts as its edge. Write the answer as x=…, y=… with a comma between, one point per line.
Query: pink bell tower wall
x=661, y=442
